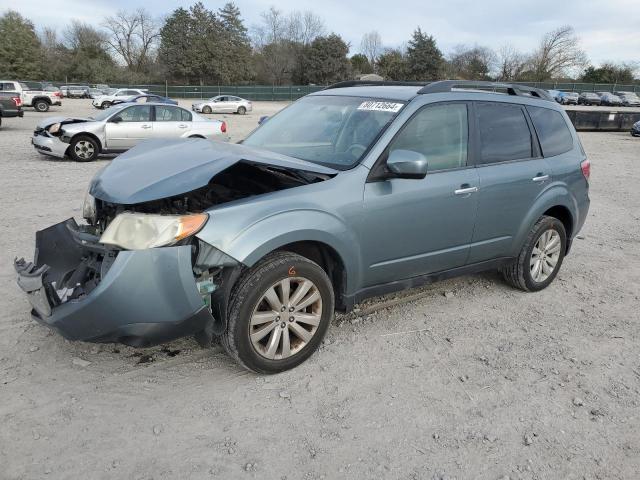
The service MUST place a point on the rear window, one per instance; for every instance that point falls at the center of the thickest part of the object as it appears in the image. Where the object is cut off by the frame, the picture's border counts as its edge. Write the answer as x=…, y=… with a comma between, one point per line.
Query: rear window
x=504, y=132
x=553, y=133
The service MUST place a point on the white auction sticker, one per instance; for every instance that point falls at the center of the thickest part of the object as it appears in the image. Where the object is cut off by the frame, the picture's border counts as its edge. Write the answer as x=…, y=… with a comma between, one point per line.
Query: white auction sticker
x=381, y=106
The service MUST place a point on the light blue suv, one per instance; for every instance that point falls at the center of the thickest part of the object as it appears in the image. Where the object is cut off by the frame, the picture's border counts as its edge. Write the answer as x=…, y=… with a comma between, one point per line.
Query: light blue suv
x=355, y=191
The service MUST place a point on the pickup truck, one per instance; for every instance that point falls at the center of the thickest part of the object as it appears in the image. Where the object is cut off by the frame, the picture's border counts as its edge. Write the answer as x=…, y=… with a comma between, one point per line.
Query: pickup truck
x=10, y=106
x=40, y=100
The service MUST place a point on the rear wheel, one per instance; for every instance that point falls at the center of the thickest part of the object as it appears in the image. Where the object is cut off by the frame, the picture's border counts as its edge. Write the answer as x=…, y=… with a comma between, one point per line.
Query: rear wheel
x=540, y=258
x=206, y=109
x=41, y=105
x=242, y=110
x=83, y=148
x=278, y=313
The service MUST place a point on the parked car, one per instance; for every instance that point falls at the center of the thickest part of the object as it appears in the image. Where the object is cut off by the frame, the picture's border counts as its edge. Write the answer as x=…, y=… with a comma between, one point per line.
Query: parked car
x=223, y=104
x=569, y=98
x=146, y=98
x=555, y=94
x=629, y=99
x=351, y=192
x=95, y=93
x=609, y=99
x=39, y=99
x=589, y=98
x=105, y=101
x=75, y=91
x=635, y=129
x=10, y=105
x=119, y=128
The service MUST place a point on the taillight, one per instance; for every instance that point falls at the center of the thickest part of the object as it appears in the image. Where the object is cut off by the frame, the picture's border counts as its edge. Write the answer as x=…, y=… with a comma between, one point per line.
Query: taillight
x=17, y=101
x=56, y=94
x=586, y=168
x=223, y=127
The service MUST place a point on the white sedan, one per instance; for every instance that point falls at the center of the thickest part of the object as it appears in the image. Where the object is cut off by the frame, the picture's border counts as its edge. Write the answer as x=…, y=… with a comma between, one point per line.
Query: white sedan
x=223, y=104
x=119, y=128
x=105, y=101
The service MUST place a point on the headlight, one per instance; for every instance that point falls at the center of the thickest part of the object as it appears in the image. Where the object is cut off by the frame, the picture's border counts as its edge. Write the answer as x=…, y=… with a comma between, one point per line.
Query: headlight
x=137, y=231
x=89, y=212
x=55, y=128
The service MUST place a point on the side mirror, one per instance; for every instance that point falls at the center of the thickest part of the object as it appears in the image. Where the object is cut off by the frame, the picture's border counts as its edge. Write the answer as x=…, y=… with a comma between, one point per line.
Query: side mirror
x=407, y=164
x=263, y=119
x=116, y=119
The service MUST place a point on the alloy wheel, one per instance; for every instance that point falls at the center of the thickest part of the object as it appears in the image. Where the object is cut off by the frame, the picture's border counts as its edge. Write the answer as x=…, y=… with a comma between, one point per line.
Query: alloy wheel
x=84, y=149
x=545, y=255
x=285, y=318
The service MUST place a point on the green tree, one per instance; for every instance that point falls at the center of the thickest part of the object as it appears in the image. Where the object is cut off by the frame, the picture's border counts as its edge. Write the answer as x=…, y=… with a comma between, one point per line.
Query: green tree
x=609, y=72
x=392, y=65
x=424, y=58
x=235, y=44
x=324, y=61
x=20, y=48
x=88, y=57
x=175, y=51
x=360, y=64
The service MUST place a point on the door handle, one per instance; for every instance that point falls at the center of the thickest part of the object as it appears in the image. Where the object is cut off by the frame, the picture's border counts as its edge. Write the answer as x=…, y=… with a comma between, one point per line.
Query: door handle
x=146, y=126
x=540, y=178
x=465, y=190
x=182, y=126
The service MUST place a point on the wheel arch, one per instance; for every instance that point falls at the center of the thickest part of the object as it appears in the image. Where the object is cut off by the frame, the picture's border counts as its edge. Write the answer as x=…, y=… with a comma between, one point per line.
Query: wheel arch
x=43, y=98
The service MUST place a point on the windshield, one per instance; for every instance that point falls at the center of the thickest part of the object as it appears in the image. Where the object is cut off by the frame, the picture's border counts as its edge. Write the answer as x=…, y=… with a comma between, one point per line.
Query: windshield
x=103, y=115
x=334, y=131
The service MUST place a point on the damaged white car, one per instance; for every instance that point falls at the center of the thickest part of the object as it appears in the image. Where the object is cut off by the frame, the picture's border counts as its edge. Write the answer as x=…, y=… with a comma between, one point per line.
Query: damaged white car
x=119, y=128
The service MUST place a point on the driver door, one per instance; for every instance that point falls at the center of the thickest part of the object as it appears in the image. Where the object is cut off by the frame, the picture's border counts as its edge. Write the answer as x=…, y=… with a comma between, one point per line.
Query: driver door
x=128, y=127
x=413, y=227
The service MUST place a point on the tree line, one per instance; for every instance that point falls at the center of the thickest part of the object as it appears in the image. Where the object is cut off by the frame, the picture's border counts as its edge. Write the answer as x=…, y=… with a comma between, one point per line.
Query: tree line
x=197, y=45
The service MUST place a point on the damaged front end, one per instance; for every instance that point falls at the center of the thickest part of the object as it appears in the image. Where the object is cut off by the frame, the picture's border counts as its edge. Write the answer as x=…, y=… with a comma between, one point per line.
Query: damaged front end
x=93, y=292
x=48, y=136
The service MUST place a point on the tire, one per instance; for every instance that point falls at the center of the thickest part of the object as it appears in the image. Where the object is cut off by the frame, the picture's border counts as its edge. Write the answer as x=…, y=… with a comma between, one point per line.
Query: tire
x=519, y=273
x=41, y=106
x=83, y=148
x=104, y=105
x=242, y=110
x=248, y=298
x=206, y=109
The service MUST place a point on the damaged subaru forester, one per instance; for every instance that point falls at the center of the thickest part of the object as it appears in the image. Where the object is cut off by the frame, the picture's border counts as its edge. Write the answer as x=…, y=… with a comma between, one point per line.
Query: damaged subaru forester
x=355, y=191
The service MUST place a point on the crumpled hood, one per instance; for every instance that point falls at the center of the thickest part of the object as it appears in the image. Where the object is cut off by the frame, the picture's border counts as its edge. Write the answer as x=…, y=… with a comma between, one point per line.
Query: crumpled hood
x=157, y=169
x=51, y=120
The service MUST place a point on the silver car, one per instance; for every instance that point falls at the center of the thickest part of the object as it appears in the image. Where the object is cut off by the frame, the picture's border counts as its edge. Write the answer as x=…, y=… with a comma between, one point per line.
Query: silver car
x=119, y=128
x=223, y=104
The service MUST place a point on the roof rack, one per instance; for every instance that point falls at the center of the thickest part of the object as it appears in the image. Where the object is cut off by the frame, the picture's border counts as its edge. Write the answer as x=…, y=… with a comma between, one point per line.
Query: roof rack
x=374, y=83
x=512, y=89
x=443, y=86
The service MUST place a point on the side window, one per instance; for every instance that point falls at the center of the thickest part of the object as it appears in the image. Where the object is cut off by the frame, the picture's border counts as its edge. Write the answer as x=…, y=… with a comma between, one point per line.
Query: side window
x=504, y=132
x=139, y=113
x=186, y=115
x=168, y=114
x=440, y=133
x=553, y=133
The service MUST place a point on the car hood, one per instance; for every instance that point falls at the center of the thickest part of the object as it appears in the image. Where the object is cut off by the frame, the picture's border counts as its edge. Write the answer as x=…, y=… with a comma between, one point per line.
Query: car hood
x=51, y=120
x=157, y=169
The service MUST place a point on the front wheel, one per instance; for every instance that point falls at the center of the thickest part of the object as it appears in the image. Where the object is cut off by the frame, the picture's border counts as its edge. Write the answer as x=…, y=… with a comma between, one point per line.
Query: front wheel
x=540, y=258
x=278, y=313
x=104, y=105
x=206, y=109
x=83, y=148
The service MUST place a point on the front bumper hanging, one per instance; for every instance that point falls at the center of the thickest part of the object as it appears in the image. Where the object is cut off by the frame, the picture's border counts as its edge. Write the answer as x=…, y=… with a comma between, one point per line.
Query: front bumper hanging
x=88, y=292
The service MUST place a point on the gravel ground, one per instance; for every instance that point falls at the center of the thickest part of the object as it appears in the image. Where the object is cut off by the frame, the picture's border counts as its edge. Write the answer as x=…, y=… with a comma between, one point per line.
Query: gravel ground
x=463, y=379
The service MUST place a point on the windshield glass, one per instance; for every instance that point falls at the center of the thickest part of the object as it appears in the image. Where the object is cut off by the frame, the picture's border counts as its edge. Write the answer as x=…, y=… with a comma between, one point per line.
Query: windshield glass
x=103, y=115
x=334, y=131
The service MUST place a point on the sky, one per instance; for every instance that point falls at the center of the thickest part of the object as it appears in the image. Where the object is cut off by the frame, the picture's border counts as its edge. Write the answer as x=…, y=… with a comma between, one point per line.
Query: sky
x=608, y=30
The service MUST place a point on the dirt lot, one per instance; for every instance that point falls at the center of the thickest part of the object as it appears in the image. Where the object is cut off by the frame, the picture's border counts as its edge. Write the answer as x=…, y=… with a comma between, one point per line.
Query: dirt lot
x=463, y=379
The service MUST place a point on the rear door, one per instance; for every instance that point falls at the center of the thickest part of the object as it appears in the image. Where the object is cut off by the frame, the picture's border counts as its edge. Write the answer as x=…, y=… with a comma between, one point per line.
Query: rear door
x=170, y=122
x=134, y=125
x=512, y=174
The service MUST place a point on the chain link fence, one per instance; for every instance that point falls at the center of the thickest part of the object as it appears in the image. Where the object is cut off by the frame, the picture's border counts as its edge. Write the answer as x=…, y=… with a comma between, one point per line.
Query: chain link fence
x=250, y=92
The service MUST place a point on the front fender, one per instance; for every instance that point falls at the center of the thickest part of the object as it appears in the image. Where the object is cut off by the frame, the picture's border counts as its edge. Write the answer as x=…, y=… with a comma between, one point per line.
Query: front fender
x=555, y=195
x=270, y=233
